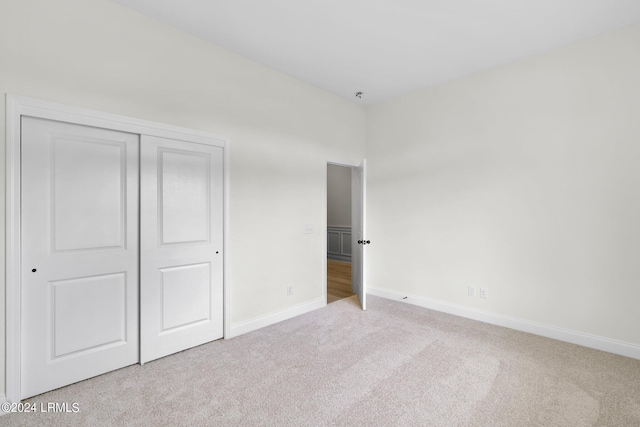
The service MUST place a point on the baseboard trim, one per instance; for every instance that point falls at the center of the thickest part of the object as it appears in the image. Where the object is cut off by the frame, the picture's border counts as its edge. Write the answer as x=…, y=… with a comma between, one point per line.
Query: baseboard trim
x=567, y=335
x=275, y=317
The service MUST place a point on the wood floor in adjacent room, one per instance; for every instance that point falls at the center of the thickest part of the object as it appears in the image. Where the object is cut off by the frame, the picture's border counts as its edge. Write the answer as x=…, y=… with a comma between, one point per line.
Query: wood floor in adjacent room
x=338, y=280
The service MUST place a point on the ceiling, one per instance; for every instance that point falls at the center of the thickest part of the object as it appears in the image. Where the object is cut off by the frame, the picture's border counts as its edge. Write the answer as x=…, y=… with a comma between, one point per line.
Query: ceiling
x=387, y=48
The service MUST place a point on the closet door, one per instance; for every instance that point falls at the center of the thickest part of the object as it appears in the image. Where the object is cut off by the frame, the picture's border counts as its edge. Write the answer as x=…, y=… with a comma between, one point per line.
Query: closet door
x=181, y=246
x=79, y=286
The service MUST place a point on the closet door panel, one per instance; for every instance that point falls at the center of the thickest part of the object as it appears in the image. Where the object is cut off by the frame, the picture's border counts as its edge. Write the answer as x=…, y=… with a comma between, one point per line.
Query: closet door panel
x=79, y=287
x=181, y=246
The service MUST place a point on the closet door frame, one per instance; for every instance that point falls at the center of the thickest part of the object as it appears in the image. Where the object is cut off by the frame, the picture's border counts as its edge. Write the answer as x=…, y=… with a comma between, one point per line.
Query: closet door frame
x=18, y=106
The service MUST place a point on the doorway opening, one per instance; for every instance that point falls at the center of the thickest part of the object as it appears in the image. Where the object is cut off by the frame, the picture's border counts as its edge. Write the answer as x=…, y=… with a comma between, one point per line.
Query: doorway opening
x=339, y=201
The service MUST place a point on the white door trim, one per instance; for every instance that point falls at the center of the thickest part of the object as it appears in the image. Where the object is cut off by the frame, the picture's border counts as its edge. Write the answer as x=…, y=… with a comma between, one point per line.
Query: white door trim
x=18, y=106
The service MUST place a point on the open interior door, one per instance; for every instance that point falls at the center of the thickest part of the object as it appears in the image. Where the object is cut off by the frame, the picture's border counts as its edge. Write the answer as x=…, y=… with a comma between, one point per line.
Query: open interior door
x=358, y=226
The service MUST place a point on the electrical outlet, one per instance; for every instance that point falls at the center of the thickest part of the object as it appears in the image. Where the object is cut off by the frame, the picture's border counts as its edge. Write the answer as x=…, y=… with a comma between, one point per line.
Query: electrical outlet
x=308, y=229
x=289, y=290
x=483, y=292
x=472, y=291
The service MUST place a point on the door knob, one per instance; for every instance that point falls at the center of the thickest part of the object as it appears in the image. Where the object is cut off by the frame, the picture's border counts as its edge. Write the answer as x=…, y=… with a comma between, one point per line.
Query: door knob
x=364, y=242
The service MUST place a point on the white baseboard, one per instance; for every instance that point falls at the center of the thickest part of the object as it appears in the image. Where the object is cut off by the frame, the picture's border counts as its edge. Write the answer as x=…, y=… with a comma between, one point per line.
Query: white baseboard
x=592, y=341
x=275, y=317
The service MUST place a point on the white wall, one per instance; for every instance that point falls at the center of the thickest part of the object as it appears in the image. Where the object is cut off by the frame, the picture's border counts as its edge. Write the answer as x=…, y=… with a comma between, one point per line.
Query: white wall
x=97, y=54
x=338, y=196
x=524, y=179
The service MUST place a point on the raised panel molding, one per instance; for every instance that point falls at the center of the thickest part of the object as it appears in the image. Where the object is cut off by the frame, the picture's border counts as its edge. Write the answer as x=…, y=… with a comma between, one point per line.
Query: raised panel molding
x=79, y=166
x=184, y=214
x=185, y=296
x=339, y=243
x=98, y=321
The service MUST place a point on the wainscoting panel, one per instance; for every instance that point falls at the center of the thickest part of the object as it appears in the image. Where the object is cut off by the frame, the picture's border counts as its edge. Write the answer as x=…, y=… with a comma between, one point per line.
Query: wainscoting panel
x=339, y=243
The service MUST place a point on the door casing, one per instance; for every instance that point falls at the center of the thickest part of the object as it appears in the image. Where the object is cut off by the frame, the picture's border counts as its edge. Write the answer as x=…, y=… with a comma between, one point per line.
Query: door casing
x=18, y=106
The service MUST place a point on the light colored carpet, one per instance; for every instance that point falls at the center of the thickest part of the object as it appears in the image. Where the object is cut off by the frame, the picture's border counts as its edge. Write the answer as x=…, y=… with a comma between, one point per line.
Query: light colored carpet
x=393, y=365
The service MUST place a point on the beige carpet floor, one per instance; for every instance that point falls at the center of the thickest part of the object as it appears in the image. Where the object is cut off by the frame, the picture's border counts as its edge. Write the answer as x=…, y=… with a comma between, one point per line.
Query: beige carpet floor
x=393, y=365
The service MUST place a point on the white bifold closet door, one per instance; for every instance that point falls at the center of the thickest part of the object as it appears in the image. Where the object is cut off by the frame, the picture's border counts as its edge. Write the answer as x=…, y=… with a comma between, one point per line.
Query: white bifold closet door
x=108, y=217
x=181, y=246
x=79, y=253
